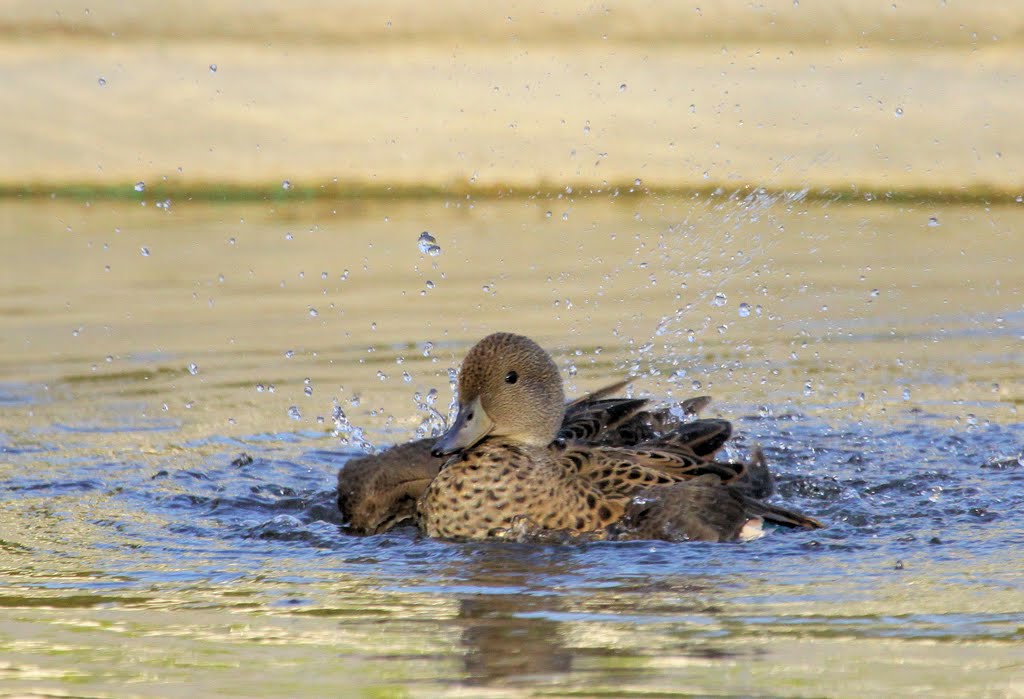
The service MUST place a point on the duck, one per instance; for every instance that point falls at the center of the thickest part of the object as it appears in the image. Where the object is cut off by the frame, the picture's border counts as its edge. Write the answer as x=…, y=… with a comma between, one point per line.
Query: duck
x=509, y=474
x=378, y=492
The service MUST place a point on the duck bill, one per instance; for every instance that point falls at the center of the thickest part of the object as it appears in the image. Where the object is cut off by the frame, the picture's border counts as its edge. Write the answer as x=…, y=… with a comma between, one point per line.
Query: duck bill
x=471, y=425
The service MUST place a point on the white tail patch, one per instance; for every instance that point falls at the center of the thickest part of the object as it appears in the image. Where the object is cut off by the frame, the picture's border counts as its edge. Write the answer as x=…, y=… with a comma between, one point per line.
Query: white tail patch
x=752, y=529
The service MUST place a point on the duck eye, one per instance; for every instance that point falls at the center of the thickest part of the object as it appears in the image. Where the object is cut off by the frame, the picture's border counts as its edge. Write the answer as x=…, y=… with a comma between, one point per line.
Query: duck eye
x=511, y=377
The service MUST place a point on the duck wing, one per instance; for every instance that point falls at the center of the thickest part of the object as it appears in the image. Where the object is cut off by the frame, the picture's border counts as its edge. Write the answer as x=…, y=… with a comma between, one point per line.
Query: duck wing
x=702, y=509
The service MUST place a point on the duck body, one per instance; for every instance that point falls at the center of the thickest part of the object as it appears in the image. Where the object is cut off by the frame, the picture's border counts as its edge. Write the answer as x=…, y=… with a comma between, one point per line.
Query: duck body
x=499, y=485
x=378, y=492
x=510, y=472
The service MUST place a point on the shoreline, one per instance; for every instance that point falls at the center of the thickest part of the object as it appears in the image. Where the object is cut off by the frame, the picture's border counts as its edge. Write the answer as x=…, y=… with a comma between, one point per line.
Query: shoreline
x=352, y=191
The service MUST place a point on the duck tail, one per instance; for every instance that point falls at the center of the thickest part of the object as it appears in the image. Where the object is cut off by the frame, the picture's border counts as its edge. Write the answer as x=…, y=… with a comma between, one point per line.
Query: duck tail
x=782, y=516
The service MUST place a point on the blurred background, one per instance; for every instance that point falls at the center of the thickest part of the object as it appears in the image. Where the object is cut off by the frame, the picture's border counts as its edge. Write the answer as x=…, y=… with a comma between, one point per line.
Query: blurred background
x=916, y=96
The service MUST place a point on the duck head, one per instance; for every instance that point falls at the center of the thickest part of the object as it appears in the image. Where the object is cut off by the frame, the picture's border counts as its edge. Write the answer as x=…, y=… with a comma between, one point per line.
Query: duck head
x=508, y=387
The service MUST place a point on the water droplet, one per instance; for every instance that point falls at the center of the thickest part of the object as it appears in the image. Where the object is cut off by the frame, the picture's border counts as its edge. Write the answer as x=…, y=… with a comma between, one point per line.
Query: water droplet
x=289, y=354
x=808, y=388
x=427, y=347
x=308, y=390
x=289, y=236
x=294, y=413
x=875, y=293
x=406, y=377
x=744, y=310
x=313, y=312
x=429, y=284
x=906, y=394
x=719, y=299
x=428, y=244
x=486, y=288
x=691, y=336
x=381, y=375
x=102, y=82
x=145, y=252
x=696, y=385
x=637, y=182
x=213, y=67
x=260, y=388
x=586, y=128
x=140, y=186
x=565, y=216
x=899, y=112
x=933, y=222
x=286, y=185
x=193, y=368
x=622, y=87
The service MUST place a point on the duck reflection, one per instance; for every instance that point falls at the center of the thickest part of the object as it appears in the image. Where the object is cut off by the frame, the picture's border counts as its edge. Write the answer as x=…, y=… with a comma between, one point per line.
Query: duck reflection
x=525, y=612
x=510, y=636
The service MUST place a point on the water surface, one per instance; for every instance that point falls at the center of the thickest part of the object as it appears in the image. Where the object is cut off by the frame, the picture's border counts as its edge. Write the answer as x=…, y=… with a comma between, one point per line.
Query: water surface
x=874, y=349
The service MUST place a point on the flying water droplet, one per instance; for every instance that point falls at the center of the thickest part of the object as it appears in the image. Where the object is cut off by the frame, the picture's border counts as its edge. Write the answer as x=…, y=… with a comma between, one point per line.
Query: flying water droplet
x=933, y=222
x=313, y=313
x=744, y=310
x=719, y=299
x=145, y=252
x=294, y=413
x=102, y=82
x=899, y=112
x=286, y=185
x=213, y=67
x=428, y=244
x=140, y=186
x=193, y=368
x=906, y=394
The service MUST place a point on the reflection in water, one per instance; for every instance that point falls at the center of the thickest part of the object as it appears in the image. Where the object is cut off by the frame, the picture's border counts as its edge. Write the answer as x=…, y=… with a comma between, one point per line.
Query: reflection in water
x=521, y=622
x=508, y=638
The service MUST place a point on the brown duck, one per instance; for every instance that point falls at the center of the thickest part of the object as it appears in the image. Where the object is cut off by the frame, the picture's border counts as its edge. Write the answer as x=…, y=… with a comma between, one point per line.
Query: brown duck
x=378, y=492
x=510, y=475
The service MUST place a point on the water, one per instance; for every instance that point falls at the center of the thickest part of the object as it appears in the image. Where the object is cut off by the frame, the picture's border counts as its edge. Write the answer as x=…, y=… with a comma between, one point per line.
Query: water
x=166, y=526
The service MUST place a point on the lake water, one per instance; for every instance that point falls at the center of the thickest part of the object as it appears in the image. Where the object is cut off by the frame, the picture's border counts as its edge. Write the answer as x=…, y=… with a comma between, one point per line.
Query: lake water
x=874, y=349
